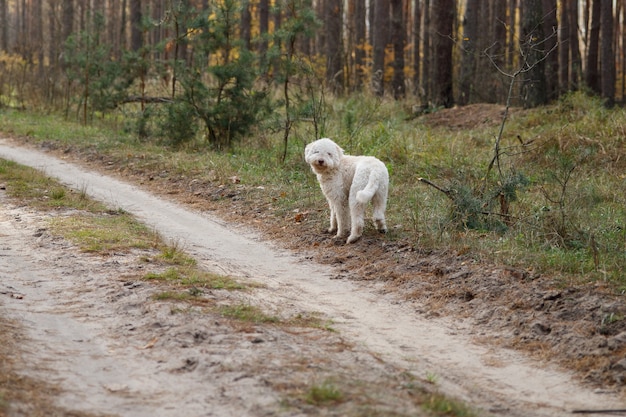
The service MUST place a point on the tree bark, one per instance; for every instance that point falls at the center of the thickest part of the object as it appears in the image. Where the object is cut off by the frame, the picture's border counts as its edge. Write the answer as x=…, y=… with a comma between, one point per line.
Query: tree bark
x=360, y=41
x=398, y=40
x=67, y=20
x=444, y=12
x=533, y=51
x=592, y=77
x=334, y=47
x=246, y=24
x=607, y=55
x=575, y=58
x=381, y=37
x=417, y=29
x=428, y=53
x=550, y=34
x=469, y=51
x=4, y=23
x=136, y=41
x=264, y=24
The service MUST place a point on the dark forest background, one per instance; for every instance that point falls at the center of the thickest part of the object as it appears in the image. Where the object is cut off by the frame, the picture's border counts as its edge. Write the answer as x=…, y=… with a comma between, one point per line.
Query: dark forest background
x=227, y=61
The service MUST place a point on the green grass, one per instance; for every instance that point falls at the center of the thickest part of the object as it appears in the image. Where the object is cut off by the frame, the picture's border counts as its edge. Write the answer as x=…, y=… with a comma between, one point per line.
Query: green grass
x=174, y=254
x=312, y=320
x=323, y=394
x=247, y=313
x=562, y=171
x=104, y=232
x=194, y=277
x=41, y=191
x=440, y=405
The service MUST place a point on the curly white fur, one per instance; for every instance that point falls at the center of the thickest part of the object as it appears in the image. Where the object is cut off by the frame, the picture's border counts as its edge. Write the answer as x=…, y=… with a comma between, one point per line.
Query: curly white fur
x=349, y=183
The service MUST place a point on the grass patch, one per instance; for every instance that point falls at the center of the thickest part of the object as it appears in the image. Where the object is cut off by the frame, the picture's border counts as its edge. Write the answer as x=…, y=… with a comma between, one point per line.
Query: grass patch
x=105, y=232
x=311, y=320
x=85, y=222
x=40, y=191
x=323, y=394
x=194, y=277
x=173, y=254
x=440, y=405
x=247, y=313
x=175, y=296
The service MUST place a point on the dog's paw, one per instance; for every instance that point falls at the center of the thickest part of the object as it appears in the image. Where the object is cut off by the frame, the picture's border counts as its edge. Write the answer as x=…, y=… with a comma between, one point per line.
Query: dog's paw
x=353, y=238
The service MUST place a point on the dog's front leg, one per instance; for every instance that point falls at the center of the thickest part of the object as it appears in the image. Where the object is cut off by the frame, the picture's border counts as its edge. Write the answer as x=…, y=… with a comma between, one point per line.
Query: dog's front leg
x=342, y=216
x=333, y=219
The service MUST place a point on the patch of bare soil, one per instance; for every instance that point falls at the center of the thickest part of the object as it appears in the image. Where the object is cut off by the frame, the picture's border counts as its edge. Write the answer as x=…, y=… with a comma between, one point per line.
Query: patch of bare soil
x=468, y=117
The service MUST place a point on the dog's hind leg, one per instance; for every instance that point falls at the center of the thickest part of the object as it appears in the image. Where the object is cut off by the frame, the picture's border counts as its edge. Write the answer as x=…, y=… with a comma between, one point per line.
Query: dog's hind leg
x=379, y=203
x=357, y=214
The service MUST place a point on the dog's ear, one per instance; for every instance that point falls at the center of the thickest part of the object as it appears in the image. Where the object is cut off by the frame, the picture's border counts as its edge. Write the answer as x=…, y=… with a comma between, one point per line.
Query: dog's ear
x=339, y=150
x=307, y=150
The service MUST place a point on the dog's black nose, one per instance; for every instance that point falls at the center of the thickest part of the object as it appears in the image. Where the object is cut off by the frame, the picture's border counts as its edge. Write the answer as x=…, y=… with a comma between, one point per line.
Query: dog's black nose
x=320, y=162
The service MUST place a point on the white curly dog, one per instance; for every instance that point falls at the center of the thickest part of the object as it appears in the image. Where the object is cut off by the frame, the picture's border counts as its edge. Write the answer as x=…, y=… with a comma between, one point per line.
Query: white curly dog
x=349, y=183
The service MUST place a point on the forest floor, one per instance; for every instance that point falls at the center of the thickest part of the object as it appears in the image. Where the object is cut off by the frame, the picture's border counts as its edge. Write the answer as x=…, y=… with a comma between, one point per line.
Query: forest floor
x=408, y=321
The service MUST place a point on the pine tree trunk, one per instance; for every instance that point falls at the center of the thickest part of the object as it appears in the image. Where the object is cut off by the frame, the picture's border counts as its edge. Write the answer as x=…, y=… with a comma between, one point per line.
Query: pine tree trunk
x=552, y=65
x=334, y=48
x=398, y=40
x=444, y=13
x=592, y=77
x=533, y=51
x=607, y=55
x=381, y=36
x=469, y=51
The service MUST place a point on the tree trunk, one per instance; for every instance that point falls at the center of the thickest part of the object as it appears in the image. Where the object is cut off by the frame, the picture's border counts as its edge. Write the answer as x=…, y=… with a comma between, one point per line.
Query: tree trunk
x=607, y=55
x=575, y=58
x=398, y=40
x=246, y=24
x=53, y=36
x=428, y=53
x=444, y=13
x=499, y=31
x=381, y=36
x=512, y=43
x=498, y=49
x=564, y=44
x=264, y=24
x=623, y=54
x=4, y=24
x=334, y=51
x=67, y=21
x=592, y=77
x=469, y=51
x=417, y=26
x=136, y=41
x=533, y=55
x=360, y=42
x=38, y=36
x=550, y=34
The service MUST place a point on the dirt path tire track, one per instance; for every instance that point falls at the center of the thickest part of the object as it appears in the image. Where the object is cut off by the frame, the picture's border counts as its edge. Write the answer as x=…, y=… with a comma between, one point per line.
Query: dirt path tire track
x=498, y=380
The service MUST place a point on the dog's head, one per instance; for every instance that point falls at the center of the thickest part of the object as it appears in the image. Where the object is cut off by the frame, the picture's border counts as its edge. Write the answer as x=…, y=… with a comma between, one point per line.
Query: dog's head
x=323, y=155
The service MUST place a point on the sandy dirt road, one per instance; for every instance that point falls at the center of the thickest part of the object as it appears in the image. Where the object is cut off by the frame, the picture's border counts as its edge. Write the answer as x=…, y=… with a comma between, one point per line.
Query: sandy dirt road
x=90, y=331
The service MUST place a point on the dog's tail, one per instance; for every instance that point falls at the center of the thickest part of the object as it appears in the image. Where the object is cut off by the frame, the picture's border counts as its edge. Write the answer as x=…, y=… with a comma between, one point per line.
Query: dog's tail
x=365, y=195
